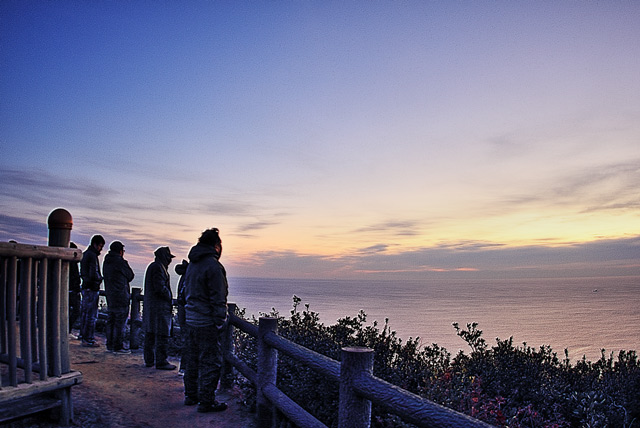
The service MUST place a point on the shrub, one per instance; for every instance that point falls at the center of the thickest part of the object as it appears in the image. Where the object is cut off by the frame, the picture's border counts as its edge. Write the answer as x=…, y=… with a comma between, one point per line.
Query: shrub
x=505, y=385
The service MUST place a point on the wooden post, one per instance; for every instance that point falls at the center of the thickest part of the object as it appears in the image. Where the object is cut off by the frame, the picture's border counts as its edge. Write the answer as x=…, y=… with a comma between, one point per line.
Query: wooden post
x=55, y=315
x=60, y=224
x=35, y=265
x=135, y=321
x=3, y=306
x=25, y=317
x=354, y=411
x=43, y=275
x=226, y=380
x=12, y=326
x=267, y=371
x=66, y=406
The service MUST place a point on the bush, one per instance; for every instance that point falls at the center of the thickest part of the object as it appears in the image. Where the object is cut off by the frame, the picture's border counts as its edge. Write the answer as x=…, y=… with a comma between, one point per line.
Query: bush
x=504, y=385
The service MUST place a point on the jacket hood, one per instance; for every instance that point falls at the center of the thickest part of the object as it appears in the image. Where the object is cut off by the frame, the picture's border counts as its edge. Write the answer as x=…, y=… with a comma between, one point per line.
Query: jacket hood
x=112, y=255
x=201, y=251
x=182, y=267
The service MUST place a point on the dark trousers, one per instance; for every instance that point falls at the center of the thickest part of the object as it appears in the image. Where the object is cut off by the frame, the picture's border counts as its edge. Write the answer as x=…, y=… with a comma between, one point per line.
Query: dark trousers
x=203, y=357
x=183, y=335
x=74, y=308
x=115, y=327
x=89, y=314
x=155, y=349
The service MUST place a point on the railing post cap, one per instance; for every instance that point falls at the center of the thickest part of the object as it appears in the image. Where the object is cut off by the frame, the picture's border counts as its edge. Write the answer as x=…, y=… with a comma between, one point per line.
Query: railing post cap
x=60, y=219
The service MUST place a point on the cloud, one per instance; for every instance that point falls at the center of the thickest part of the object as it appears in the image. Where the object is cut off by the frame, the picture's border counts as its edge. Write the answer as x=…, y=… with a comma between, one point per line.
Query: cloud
x=229, y=208
x=392, y=227
x=598, y=188
x=22, y=229
x=258, y=225
x=374, y=249
x=48, y=189
x=615, y=257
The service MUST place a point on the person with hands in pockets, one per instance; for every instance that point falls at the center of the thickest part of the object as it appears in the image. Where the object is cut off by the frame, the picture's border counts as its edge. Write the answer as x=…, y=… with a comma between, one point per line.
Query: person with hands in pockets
x=157, y=310
x=205, y=292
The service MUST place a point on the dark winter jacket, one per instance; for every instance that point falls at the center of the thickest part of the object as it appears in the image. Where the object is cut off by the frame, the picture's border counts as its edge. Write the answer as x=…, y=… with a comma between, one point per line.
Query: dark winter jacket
x=117, y=276
x=158, y=300
x=90, y=270
x=205, y=288
x=74, y=277
x=181, y=269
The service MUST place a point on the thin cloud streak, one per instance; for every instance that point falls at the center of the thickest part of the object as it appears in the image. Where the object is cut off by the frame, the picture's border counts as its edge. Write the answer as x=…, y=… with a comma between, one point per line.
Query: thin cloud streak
x=618, y=257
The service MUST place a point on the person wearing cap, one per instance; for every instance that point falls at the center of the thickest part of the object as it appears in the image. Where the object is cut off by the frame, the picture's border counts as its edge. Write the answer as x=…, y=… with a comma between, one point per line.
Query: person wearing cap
x=91, y=280
x=117, y=276
x=205, y=292
x=158, y=310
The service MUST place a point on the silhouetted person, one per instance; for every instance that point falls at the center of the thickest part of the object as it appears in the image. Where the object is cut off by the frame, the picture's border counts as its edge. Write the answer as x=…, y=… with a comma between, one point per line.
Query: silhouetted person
x=205, y=293
x=158, y=310
x=74, y=292
x=117, y=276
x=181, y=269
x=91, y=280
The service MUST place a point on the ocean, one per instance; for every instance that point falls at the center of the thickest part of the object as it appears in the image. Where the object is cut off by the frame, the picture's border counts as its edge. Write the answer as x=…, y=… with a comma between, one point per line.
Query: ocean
x=583, y=315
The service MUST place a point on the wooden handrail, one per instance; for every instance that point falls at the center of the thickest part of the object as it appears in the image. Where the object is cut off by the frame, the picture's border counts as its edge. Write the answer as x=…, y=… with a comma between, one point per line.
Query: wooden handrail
x=34, y=311
x=12, y=249
x=358, y=386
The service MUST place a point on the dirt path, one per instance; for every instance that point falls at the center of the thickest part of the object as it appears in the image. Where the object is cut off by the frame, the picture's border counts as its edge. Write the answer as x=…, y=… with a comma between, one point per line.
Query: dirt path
x=119, y=391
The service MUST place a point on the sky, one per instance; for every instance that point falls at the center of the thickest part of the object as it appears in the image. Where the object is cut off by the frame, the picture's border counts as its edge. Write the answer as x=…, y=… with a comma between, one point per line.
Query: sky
x=355, y=140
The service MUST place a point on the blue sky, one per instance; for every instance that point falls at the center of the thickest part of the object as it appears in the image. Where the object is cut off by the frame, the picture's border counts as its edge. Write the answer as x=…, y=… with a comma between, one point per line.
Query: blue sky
x=330, y=139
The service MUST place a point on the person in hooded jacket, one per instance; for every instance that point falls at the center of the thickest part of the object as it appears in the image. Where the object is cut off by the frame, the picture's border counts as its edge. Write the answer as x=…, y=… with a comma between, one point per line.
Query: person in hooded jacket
x=181, y=269
x=205, y=292
x=117, y=275
x=158, y=310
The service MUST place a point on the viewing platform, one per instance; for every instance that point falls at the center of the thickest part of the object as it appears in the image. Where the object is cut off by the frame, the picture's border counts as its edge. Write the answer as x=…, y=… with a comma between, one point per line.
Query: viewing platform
x=119, y=391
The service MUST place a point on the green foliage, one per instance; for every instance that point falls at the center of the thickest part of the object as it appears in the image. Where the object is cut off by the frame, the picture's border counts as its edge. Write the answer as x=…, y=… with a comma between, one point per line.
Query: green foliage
x=505, y=385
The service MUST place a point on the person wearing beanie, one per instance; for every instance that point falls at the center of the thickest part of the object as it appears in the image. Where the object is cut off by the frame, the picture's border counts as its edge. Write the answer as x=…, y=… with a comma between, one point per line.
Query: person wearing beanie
x=205, y=291
x=158, y=310
x=117, y=276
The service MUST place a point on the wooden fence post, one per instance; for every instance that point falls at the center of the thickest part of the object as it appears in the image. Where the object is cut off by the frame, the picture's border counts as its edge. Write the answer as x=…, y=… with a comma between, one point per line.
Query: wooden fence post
x=267, y=371
x=226, y=379
x=135, y=322
x=60, y=224
x=12, y=325
x=354, y=411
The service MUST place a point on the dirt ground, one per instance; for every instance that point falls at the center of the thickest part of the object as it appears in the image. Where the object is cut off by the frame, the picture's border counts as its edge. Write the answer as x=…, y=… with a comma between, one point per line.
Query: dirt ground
x=119, y=391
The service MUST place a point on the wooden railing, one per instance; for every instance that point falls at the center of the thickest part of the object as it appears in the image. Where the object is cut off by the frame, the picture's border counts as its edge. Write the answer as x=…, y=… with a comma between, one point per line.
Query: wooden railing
x=358, y=387
x=34, y=325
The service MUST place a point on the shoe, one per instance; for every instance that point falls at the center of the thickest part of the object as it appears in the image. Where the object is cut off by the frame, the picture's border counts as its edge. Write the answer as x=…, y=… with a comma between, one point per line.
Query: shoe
x=122, y=351
x=181, y=372
x=73, y=336
x=190, y=401
x=90, y=344
x=215, y=407
x=167, y=366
